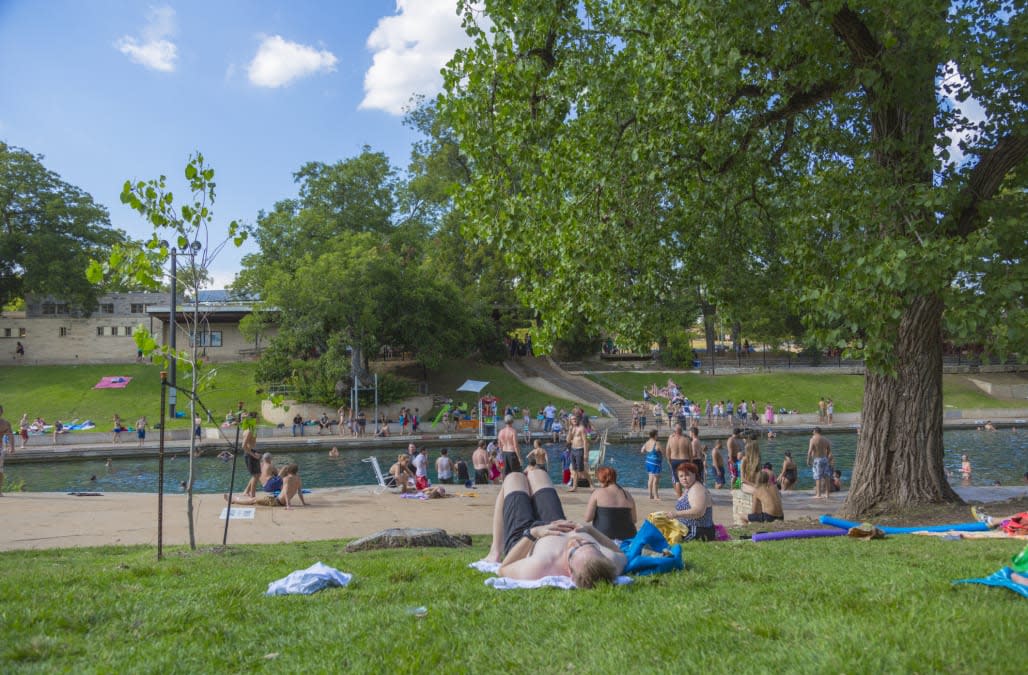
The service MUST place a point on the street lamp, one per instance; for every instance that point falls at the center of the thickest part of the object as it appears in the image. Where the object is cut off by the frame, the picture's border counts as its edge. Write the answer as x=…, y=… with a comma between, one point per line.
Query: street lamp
x=194, y=248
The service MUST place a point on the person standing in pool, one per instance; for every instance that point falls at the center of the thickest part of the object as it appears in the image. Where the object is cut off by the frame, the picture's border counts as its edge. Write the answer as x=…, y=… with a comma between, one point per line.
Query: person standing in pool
x=480, y=462
x=787, y=478
x=507, y=439
x=678, y=449
x=654, y=462
x=578, y=439
x=697, y=451
x=717, y=461
x=819, y=458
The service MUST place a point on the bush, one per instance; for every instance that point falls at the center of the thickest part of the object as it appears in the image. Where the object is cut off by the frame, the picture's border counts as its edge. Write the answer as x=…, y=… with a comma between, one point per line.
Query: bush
x=678, y=351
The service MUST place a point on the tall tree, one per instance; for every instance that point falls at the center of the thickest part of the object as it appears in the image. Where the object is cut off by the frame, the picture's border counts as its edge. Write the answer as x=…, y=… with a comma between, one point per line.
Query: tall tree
x=843, y=112
x=47, y=227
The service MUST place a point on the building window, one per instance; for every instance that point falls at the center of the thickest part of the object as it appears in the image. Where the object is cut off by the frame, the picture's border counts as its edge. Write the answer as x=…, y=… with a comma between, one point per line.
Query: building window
x=22, y=332
x=62, y=308
x=209, y=338
x=138, y=308
x=107, y=308
x=49, y=308
x=128, y=331
x=100, y=331
x=63, y=331
x=7, y=332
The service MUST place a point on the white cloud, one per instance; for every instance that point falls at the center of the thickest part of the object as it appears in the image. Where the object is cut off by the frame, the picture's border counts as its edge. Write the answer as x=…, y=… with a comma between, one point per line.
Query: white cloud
x=153, y=49
x=278, y=62
x=410, y=48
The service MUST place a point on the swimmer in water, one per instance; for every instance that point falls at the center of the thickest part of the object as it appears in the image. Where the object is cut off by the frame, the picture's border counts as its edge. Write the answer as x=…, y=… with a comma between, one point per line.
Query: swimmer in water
x=334, y=452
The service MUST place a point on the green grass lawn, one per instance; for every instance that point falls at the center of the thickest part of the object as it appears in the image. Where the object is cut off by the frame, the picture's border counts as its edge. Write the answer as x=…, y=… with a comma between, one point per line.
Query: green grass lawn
x=829, y=605
x=66, y=393
x=795, y=391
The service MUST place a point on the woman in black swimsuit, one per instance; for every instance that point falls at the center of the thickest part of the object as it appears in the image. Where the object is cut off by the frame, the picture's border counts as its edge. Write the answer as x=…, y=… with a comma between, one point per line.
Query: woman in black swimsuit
x=611, y=510
x=787, y=478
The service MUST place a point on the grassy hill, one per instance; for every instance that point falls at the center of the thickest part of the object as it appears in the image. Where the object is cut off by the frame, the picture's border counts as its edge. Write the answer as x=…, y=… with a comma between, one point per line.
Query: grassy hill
x=66, y=392
x=795, y=391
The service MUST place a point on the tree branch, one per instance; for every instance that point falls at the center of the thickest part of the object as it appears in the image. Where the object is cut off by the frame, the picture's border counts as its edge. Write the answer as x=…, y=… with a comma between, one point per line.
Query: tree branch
x=985, y=180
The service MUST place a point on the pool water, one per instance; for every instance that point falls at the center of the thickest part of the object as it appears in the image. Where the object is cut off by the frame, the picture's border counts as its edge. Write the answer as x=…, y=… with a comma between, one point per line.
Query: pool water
x=995, y=456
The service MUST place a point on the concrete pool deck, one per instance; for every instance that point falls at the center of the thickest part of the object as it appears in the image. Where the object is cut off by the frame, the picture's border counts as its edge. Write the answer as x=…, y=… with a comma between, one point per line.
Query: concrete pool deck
x=46, y=520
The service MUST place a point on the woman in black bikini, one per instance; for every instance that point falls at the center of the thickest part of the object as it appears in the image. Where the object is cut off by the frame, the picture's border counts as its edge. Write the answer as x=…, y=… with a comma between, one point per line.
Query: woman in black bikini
x=787, y=478
x=611, y=510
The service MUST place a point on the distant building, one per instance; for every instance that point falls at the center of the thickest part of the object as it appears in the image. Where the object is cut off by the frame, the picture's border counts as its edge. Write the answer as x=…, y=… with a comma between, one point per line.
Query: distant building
x=53, y=332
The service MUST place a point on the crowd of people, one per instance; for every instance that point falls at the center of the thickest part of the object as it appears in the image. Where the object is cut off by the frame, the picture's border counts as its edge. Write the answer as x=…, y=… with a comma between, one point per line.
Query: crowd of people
x=680, y=409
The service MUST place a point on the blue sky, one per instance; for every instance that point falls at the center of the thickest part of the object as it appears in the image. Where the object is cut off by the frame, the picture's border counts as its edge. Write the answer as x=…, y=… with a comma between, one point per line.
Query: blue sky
x=109, y=90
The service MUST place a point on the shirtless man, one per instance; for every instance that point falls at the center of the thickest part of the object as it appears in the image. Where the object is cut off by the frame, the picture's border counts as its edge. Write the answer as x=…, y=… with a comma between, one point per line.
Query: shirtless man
x=697, y=451
x=578, y=439
x=819, y=456
x=717, y=461
x=480, y=462
x=292, y=486
x=532, y=539
x=678, y=451
x=507, y=439
x=736, y=446
x=538, y=453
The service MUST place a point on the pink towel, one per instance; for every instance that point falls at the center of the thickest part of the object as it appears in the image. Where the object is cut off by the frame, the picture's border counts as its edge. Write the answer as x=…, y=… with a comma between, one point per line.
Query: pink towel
x=113, y=382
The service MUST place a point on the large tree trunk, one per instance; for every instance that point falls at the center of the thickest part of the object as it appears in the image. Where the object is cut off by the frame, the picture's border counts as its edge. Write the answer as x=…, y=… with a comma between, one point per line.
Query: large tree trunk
x=899, y=455
x=709, y=334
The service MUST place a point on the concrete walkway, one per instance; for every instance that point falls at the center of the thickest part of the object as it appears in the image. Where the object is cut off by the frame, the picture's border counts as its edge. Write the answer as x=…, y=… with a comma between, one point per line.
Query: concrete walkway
x=39, y=520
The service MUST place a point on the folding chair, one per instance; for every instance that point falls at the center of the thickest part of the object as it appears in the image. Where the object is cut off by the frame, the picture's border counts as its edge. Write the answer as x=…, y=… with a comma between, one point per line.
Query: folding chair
x=382, y=484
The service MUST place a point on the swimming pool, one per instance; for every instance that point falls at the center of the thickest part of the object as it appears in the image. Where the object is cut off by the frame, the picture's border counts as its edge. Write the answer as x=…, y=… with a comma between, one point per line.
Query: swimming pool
x=995, y=456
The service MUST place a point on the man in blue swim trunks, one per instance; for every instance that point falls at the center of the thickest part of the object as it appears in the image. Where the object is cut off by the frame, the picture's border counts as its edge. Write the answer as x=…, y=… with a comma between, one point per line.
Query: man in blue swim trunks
x=819, y=456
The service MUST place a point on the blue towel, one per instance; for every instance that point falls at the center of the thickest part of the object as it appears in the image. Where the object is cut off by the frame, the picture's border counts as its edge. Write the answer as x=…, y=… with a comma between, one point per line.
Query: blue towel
x=1000, y=578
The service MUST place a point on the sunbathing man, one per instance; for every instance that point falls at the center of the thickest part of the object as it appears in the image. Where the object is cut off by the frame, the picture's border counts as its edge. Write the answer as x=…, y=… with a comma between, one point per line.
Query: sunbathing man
x=534, y=540
x=292, y=486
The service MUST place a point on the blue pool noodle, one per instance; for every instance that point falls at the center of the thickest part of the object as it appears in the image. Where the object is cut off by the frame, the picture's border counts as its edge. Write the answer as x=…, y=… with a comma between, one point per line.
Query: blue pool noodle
x=959, y=527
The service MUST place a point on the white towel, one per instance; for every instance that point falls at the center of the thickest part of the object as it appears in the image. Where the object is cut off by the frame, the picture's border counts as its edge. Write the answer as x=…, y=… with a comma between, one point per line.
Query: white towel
x=506, y=583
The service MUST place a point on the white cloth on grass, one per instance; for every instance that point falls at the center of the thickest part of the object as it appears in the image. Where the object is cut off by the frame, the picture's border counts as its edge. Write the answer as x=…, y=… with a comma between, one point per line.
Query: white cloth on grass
x=310, y=580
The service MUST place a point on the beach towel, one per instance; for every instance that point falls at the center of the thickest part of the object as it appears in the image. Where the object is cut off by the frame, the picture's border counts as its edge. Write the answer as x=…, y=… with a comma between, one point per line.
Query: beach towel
x=308, y=581
x=112, y=382
x=506, y=583
x=1000, y=579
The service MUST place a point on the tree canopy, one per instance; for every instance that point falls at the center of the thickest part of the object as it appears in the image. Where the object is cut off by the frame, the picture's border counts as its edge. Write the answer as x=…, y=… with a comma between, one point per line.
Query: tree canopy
x=348, y=272
x=618, y=149
x=47, y=227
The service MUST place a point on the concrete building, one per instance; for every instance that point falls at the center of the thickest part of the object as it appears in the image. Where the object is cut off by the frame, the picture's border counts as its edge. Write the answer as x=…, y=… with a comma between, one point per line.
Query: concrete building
x=52, y=332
